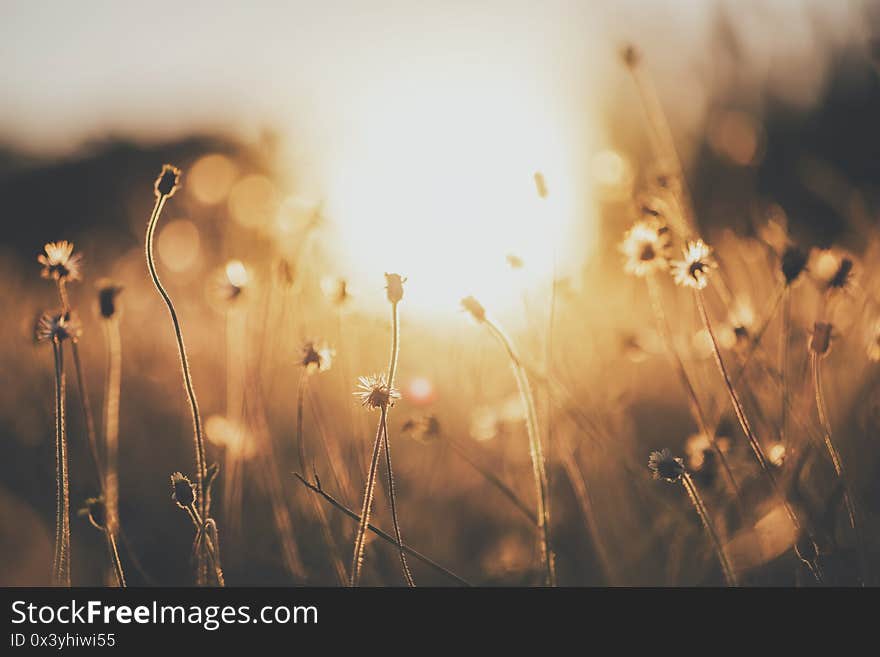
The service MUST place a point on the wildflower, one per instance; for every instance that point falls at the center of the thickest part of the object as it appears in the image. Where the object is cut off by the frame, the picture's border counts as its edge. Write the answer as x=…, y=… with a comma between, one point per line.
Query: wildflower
x=316, y=357
x=794, y=261
x=107, y=293
x=168, y=181
x=664, y=466
x=182, y=490
x=475, y=308
x=59, y=262
x=820, y=340
x=96, y=511
x=57, y=327
x=646, y=247
x=394, y=287
x=693, y=271
x=374, y=392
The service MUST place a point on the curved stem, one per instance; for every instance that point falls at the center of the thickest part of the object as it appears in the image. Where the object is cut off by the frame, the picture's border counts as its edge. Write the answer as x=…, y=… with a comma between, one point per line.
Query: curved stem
x=201, y=467
x=392, y=497
x=694, y=494
x=198, y=439
x=537, y=456
x=392, y=372
x=366, y=507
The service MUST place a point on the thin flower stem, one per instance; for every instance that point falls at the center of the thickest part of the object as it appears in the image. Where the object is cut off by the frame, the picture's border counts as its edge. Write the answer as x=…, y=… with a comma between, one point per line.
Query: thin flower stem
x=392, y=497
x=696, y=408
x=198, y=439
x=61, y=567
x=114, y=558
x=392, y=372
x=385, y=536
x=694, y=495
x=538, y=467
x=758, y=451
x=111, y=423
x=204, y=531
x=366, y=507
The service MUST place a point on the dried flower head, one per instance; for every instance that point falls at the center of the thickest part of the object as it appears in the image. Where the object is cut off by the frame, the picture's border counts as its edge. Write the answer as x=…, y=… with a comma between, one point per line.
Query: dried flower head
x=475, y=308
x=665, y=466
x=394, y=287
x=425, y=429
x=793, y=263
x=820, y=339
x=693, y=271
x=55, y=327
x=59, y=261
x=107, y=293
x=96, y=511
x=843, y=276
x=168, y=181
x=182, y=490
x=316, y=357
x=646, y=247
x=374, y=392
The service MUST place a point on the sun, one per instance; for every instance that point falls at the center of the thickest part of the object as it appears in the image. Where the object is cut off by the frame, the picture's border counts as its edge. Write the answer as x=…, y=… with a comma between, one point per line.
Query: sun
x=439, y=185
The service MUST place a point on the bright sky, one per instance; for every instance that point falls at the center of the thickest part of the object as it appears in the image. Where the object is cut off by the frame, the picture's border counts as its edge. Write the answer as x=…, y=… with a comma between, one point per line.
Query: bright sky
x=424, y=119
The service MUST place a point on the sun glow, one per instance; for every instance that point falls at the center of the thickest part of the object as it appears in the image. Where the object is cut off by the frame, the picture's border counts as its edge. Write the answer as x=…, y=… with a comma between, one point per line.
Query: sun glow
x=438, y=184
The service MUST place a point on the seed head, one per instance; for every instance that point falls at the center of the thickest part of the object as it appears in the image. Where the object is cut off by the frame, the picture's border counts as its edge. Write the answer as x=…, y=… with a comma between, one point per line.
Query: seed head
x=794, y=261
x=475, y=308
x=374, y=392
x=394, y=287
x=107, y=293
x=55, y=327
x=168, y=181
x=693, y=271
x=665, y=466
x=646, y=247
x=182, y=490
x=59, y=261
x=820, y=340
x=316, y=357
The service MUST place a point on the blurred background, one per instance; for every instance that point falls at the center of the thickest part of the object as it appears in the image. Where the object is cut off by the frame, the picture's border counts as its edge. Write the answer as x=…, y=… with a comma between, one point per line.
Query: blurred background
x=324, y=144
